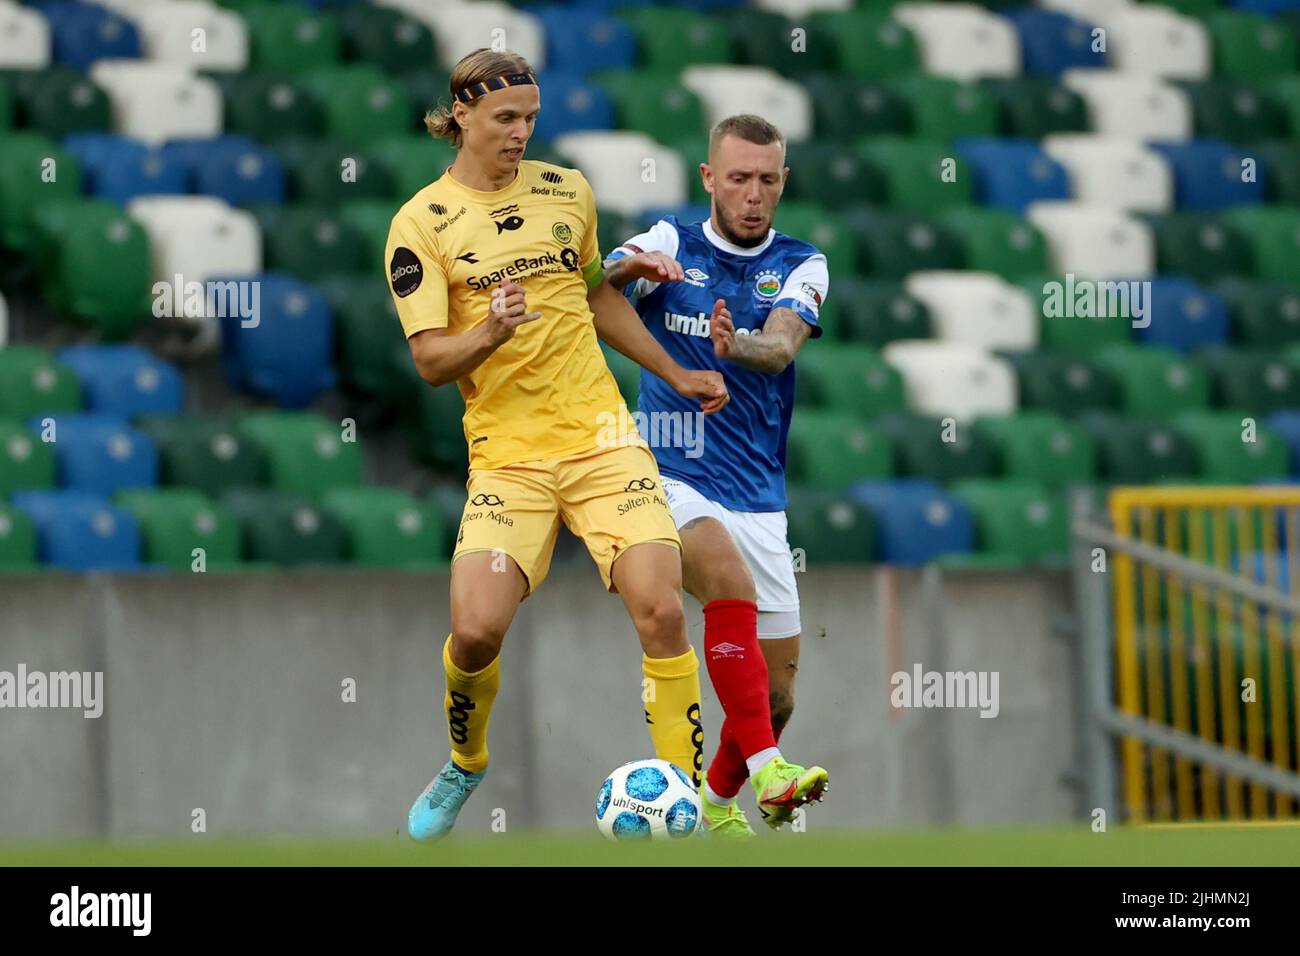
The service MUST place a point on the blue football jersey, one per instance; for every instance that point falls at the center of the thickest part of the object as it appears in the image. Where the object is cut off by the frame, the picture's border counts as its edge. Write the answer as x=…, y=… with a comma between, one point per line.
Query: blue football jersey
x=739, y=459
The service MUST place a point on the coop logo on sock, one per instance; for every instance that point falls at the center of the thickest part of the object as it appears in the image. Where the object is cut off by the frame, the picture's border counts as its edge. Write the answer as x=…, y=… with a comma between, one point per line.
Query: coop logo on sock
x=726, y=649
x=75, y=909
x=458, y=716
x=946, y=689
x=74, y=690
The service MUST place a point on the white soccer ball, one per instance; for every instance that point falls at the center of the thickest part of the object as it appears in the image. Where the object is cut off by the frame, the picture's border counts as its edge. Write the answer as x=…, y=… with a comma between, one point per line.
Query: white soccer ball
x=648, y=800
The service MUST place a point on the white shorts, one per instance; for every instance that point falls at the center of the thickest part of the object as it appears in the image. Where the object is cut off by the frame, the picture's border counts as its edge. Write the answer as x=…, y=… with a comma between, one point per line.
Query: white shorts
x=761, y=538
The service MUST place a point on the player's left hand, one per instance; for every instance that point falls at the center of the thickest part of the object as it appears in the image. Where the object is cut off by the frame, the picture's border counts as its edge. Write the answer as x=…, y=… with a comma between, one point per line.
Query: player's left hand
x=721, y=329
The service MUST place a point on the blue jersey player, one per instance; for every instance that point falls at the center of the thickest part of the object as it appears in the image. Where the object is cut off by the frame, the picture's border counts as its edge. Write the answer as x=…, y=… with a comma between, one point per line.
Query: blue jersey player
x=734, y=295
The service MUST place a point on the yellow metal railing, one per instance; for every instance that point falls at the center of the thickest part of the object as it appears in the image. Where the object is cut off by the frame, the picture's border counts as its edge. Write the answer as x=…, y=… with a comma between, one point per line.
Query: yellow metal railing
x=1210, y=649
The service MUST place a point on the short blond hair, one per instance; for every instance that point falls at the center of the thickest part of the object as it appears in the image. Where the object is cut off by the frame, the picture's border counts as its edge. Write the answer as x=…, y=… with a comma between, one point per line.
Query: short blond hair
x=483, y=64
x=747, y=126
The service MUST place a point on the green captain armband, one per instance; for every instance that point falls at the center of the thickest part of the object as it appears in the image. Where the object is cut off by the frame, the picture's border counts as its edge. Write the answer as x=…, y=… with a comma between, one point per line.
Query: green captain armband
x=592, y=273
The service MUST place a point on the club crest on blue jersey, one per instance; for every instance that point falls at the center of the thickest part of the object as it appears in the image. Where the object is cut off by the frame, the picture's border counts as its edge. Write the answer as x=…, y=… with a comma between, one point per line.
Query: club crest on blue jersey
x=767, y=284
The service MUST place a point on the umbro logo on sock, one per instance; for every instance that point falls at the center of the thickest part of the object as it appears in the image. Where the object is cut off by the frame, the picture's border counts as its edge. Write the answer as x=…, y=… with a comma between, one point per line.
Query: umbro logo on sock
x=727, y=649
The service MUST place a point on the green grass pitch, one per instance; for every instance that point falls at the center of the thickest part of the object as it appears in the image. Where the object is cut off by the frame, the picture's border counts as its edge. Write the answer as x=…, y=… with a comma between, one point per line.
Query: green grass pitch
x=1021, y=846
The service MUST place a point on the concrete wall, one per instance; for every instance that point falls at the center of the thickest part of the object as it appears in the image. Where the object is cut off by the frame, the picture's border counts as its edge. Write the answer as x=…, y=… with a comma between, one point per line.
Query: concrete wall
x=225, y=693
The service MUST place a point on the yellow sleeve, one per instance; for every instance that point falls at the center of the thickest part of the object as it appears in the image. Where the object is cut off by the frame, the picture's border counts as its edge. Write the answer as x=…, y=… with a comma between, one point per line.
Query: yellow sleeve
x=589, y=253
x=415, y=277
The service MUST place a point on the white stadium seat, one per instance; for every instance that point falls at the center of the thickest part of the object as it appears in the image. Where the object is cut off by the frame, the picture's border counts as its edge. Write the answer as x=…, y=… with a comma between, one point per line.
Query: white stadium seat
x=167, y=33
x=950, y=379
x=1157, y=41
x=1132, y=105
x=976, y=308
x=616, y=163
x=198, y=237
x=962, y=40
x=727, y=90
x=24, y=38
x=156, y=102
x=1094, y=242
x=1108, y=171
x=799, y=8
x=460, y=27
x=4, y=322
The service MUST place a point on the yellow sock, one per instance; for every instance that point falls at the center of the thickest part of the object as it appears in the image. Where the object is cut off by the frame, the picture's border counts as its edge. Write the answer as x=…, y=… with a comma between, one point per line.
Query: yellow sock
x=468, y=705
x=672, y=705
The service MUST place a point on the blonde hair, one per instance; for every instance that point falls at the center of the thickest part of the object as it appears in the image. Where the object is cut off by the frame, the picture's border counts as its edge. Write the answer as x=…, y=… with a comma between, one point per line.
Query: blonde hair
x=747, y=126
x=483, y=64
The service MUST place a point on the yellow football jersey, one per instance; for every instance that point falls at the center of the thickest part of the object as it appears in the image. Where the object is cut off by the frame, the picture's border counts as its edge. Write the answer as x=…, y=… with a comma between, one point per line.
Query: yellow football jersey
x=546, y=393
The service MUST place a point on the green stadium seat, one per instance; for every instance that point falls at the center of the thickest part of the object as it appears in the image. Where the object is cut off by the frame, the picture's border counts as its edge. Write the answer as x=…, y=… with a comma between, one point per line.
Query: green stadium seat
x=1273, y=233
x=866, y=43
x=994, y=240
x=1285, y=90
x=943, y=109
x=370, y=220
x=60, y=101
x=1201, y=246
x=413, y=161
x=431, y=418
x=368, y=332
x=670, y=40
x=6, y=104
x=427, y=87
x=846, y=108
x=286, y=529
x=1018, y=521
x=361, y=103
x=827, y=172
x=270, y=106
x=766, y=38
x=818, y=225
x=1155, y=382
x=1281, y=161
x=1234, y=110
x=1137, y=451
x=33, y=383
x=94, y=264
x=1041, y=447
x=919, y=175
x=1250, y=46
x=385, y=37
x=305, y=453
x=26, y=462
x=626, y=373
x=694, y=149
x=386, y=528
x=1256, y=381
x=17, y=541
x=315, y=170
x=893, y=243
x=1064, y=383
x=204, y=453
x=1264, y=313
x=1032, y=107
x=33, y=173
x=1225, y=457
x=876, y=312
x=313, y=242
x=922, y=452
x=847, y=378
x=833, y=449
x=825, y=528
x=613, y=229
x=1060, y=332
x=174, y=522
x=290, y=37
x=656, y=104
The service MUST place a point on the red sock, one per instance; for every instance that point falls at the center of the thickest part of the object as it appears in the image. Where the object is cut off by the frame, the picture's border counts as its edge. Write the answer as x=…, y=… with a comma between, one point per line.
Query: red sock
x=739, y=672
x=728, y=771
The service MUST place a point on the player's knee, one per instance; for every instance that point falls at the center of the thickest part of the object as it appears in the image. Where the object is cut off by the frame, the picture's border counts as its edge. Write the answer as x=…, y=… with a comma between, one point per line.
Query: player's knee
x=660, y=621
x=782, y=704
x=475, y=642
x=730, y=581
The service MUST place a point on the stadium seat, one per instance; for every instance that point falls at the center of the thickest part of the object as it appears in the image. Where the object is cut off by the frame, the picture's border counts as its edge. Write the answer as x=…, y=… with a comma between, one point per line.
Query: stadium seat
x=976, y=308
x=613, y=163
x=174, y=523
x=1264, y=314
x=282, y=528
x=1016, y=521
x=198, y=237
x=326, y=172
x=61, y=101
x=816, y=224
x=369, y=333
x=869, y=44
x=168, y=31
x=1225, y=453
x=119, y=169
x=1012, y=174
x=391, y=39
x=269, y=106
x=993, y=240
x=825, y=173
x=944, y=109
x=1155, y=382
x=927, y=447
x=431, y=418
x=847, y=107
x=952, y=379
x=962, y=40
x=4, y=321
x=875, y=312
x=98, y=453
x=1274, y=236
x=890, y=244
x=286, y=353
x=1183, y=316
x=1132, y=105
x=918, y=175
x=1251, y=46
x=1235, y=111
x=1287, y=426
x=81, y=33
x=1052, y=41
x=1208, y=175
x=833, y=449
x=1107, y=171
x=232, y=168
x=1140, y=451
x=851, y=379
x=590, y=37
x=573, y=104
x=1032, y=107
x=1061, y=329
x=1199, y=245
x=17, y=541
x=155, y=102
x=204, y=453
x=80, y=530
x=32, y=382
x=829, y=528
x=125, y=380
x=26, y=160
x=305, y=453
x=1094, y=242
x=291, y=38
x=758, y=38
x=652, y=103
x=25, y=42
x=1157, y=41
x=915, y=521
x=728, y=90
x=1039, y=446
x=461, y=27
x=388, y=529
x=361, y=103
x=311, y=242
x=26, y=463
x=1063, y=383
x=1281, y=164
x=1255, y=381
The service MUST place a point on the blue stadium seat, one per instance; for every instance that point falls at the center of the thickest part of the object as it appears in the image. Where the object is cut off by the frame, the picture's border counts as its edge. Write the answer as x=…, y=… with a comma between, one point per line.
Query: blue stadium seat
x=231, y=167
x=287, y=355
x=125, y=380
x=915, y=521
x=100, y=453
x=80, y=530
x=1208, y=175
x=81, y=33
x=587, y=36
x=1053, y=42
x=1267, y=7
x=1184, y=316
x=119, y=168
x=1287, y=424
x=571, y=103
x=1012, y=173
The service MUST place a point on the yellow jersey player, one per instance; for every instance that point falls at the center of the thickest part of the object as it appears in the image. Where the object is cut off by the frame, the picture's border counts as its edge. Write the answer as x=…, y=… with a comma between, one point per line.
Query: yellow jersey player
x=465, y=256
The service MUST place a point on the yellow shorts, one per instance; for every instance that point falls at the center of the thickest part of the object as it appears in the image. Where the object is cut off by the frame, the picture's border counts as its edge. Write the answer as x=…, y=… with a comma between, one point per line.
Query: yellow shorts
x=611, y=498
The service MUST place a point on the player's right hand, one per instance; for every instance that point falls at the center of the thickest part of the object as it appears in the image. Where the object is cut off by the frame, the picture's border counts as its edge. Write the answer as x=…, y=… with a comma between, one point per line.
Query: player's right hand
x=509, y=310
x=709, y=387
x=655, y=266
